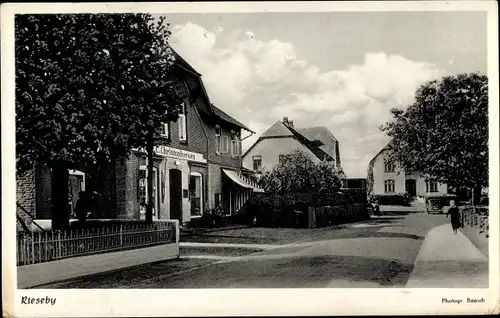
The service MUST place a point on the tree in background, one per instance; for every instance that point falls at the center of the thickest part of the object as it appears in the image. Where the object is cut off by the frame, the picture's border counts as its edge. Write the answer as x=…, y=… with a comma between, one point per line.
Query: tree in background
x=89, y=88
x=297, y=173
x=444, y=133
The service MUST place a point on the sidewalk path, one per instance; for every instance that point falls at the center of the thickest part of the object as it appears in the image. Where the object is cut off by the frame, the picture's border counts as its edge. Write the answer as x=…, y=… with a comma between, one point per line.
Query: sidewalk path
x=446, y=260
x=33, y=275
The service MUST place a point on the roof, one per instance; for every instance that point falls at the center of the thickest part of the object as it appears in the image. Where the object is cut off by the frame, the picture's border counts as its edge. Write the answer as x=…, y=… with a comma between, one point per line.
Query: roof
x=386, y=147
x=227, y=118
x=322, y=134
x=181, y=62
x=277, y=130
x=280, y=130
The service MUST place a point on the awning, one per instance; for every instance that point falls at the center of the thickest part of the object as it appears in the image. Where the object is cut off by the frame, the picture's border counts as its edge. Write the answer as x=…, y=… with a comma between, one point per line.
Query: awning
x=241, y=181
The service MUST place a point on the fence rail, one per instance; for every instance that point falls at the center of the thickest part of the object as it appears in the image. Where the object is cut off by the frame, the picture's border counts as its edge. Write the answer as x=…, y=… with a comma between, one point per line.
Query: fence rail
x=39, y=247
x=478, y=219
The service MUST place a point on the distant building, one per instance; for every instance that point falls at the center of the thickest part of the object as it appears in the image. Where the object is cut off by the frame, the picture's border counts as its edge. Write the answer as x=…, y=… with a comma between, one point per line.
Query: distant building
x=283, y=138
x=386, y=177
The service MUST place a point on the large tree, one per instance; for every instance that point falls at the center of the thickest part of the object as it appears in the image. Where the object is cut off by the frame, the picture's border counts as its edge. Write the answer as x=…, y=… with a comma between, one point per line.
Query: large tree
x=89, y=88
x=444, y=133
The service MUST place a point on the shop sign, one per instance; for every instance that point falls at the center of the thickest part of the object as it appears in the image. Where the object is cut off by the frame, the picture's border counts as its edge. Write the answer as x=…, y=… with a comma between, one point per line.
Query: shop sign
x=179, y=154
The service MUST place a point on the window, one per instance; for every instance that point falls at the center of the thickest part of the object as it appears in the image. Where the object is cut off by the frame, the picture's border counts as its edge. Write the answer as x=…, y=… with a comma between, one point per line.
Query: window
x=196, y=193
x=182, y=123
x=431, y=186
x=389, y=186
x=217, y=139
x=389, y=166
x=235, y=145
x=257, y=162
x=165, y=130
x=224, y=144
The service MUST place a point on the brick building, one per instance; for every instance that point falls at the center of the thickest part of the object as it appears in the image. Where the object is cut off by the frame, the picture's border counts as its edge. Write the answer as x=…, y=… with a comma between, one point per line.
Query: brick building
x=197, y=169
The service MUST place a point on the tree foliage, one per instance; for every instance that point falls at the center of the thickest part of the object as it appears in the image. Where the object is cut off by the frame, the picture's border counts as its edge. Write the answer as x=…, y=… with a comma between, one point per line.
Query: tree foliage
x=89, y=88
x=299, y=174
x=444, y=133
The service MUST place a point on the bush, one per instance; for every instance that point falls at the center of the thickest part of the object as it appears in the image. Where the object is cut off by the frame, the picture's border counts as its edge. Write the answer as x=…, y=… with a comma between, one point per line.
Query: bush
x=291, y=210
x=403, y=199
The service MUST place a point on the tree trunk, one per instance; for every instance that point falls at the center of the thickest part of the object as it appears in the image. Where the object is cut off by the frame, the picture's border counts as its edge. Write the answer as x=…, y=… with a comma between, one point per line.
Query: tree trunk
x=149, y=205
x=60, y=211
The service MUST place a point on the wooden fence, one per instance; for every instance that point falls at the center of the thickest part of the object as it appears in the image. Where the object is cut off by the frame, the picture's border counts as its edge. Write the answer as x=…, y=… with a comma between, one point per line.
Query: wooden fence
x=46, y=246
x=477, y=220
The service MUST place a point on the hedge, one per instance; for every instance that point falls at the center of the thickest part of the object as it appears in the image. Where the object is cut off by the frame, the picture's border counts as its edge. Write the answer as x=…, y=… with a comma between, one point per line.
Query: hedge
x=291, y=210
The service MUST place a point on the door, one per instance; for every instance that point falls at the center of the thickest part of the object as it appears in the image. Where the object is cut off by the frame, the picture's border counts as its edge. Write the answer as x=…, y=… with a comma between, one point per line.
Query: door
x=175, y=182
x=411, y=187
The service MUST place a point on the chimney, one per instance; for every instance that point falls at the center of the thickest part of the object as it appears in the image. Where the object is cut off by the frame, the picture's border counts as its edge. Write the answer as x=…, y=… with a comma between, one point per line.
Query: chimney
x=287, y=122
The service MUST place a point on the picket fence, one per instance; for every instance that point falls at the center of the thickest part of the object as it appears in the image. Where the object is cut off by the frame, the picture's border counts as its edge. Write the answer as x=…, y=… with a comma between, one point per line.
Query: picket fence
x=478, y=220
x=39, y=247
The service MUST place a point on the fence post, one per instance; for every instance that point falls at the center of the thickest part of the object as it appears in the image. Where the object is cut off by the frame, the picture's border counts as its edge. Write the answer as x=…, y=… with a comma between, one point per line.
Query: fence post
x=177, y=231
x=33, y=248
x=121, y=235
x=312, y=217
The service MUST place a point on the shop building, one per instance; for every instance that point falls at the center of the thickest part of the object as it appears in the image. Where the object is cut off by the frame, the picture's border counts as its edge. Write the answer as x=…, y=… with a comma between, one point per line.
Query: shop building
x=197, y=168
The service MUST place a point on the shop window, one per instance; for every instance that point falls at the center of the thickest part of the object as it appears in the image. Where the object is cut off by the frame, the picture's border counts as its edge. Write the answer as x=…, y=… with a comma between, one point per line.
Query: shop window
x=431, y=186
x=257, y=162
x=182, y=123
x=196, y=193
x=143, y=192
x=389, y=186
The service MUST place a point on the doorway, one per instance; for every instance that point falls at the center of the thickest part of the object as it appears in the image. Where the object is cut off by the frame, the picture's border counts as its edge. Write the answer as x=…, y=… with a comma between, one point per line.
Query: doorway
x=175, y=182
x=411, y=187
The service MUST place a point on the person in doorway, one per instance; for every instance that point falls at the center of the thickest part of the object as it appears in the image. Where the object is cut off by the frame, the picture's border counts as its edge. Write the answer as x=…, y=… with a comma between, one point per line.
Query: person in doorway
x=455, y=216
x=82, y=206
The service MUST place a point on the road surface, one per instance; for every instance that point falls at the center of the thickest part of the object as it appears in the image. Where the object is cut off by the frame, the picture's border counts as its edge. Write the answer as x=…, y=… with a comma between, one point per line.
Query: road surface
x=376, y=253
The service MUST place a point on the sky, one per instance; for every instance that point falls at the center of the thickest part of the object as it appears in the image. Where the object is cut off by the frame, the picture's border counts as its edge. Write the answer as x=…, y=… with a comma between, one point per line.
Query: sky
x=341, y=70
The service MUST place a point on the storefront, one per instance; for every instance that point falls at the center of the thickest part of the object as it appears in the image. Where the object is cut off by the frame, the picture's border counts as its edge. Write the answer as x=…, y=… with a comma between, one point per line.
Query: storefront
x=236, y=189
x=179, y=184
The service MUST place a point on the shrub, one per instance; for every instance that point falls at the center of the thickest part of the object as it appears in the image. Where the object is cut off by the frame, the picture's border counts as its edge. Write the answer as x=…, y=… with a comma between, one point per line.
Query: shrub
x=403, y=199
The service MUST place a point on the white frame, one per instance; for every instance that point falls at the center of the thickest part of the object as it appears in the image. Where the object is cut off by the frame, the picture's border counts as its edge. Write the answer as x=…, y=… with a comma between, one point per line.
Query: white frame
x=199, y=175
x=258, y=157
x=156, y=201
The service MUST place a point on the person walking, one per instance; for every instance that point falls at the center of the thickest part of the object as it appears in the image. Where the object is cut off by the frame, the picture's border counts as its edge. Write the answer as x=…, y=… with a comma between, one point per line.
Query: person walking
x=455, y=216
x=82, y=206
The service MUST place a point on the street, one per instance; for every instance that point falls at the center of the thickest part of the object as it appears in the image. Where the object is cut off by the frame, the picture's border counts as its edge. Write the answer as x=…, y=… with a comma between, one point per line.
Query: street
x=380, y=252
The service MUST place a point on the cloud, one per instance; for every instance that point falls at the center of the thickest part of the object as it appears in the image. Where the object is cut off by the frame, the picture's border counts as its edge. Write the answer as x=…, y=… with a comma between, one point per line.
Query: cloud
x=259, y=82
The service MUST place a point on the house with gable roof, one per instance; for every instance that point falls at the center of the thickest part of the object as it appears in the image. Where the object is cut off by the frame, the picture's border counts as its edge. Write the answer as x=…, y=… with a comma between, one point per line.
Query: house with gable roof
x=197, y=167
x=282, y=138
